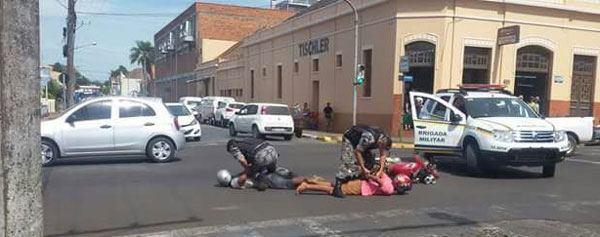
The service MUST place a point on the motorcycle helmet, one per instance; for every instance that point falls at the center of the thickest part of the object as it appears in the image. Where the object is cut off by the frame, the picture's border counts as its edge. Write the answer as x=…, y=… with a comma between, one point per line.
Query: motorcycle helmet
x=402, y=183
x=223, y=177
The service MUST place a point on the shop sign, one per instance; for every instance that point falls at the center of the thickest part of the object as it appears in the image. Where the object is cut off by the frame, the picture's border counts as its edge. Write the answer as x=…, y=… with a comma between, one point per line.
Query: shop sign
x=313, y=47
x=509, y=35
x=408, y=78
x=404, y=64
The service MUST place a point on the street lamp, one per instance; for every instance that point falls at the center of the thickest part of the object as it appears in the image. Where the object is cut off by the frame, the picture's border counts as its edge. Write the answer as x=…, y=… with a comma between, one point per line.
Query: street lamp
x=354, y=83
x=86, y=45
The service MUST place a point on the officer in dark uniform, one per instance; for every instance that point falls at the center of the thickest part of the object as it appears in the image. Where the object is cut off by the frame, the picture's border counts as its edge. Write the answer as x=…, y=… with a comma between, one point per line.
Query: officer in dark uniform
x=257, y=157
x=359, y=143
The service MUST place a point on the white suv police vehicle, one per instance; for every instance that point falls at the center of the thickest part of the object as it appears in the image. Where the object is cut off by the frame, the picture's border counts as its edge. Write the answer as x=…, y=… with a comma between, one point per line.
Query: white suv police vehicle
x=487, y=126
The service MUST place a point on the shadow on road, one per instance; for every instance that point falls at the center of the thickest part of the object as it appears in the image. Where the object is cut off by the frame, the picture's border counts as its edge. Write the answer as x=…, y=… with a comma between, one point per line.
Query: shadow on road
x=448, y=219
x=105, y=161
x=457, y=167
x=133, y=226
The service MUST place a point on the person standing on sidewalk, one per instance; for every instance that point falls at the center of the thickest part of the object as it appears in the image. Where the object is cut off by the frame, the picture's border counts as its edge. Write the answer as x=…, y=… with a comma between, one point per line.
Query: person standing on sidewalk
x=328, y=111
x=358, y=144
x=256, y=156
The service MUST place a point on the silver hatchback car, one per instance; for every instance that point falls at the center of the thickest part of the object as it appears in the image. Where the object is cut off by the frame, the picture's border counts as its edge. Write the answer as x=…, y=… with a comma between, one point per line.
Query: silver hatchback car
x=109, y=126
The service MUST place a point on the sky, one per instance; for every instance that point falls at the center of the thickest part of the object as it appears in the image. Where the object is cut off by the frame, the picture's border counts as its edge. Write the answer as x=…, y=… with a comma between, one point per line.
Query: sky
x=114, y=35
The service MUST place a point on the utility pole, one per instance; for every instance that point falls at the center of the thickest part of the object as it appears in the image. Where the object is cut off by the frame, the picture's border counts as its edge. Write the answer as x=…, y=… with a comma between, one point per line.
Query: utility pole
x=21, y=212
x=354, y=82
x=71, y=25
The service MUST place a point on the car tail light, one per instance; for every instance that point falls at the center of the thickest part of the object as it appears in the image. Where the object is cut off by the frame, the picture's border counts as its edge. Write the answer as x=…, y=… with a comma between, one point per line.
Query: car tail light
x=263, y=110
x=176, y=122
x=229, y=110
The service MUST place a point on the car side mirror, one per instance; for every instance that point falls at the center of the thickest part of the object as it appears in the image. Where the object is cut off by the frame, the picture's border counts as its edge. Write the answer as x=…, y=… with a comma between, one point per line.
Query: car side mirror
x=455, y=118
x=237, y=112
x=71, y=119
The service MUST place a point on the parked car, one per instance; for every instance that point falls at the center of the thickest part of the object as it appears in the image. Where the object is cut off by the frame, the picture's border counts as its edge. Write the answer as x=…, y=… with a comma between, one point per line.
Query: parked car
x=487, y=126
x=226, y=110
x=298, y=121
x=188, y=123
x=109, y=126
x=191, y=103
x=262, y=119
x=208, y=108
x=580, y=130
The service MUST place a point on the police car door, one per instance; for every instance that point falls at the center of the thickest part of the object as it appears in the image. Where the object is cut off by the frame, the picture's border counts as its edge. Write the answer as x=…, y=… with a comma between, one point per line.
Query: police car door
x=438, y=125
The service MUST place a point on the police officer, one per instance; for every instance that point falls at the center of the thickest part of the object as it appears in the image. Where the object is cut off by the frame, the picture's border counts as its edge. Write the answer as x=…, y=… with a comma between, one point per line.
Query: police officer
x=256, y=156
x=359, y=143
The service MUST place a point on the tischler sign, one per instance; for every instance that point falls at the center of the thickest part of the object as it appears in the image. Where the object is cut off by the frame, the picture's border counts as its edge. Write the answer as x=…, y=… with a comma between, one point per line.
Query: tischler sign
x=315, y=46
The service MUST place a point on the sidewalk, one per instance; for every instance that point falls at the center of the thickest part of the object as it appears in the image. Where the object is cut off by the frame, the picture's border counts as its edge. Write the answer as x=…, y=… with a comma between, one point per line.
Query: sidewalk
x=405, y=143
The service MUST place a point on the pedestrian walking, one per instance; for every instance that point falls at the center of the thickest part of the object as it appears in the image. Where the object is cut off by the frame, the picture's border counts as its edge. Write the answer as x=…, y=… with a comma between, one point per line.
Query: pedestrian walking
x=407, y=117
x=328, y=111
x=257, y=157
x=534, y=104
x=358, y=144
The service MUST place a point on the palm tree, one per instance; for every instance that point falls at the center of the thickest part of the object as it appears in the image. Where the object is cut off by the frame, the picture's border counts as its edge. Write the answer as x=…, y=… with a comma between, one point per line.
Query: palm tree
x=120, y=69
x=143, y=54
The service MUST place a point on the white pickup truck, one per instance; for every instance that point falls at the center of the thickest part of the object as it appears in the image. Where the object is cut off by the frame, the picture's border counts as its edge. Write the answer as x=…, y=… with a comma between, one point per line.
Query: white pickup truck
x=486, y=126
x=579, y=130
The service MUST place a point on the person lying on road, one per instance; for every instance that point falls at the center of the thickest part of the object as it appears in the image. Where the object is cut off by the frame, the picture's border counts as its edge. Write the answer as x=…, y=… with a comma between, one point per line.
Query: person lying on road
x=282, y=178
x=373, y=185
x=357, y=159
x=257, y=157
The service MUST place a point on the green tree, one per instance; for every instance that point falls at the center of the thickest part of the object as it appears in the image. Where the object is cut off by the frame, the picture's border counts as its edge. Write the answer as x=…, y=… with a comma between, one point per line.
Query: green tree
x=55, y=90
x=120, y=69
x=143, y=54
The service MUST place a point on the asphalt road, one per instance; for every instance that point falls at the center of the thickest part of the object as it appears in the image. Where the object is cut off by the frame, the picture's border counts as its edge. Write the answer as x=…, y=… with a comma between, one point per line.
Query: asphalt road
x=127, y=195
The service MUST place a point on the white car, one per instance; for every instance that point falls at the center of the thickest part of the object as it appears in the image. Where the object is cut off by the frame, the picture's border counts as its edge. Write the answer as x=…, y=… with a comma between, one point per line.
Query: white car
x=486, y=126
x=109, y=126
x=188, y=123
x=208, y=107
x=580, y=130
x=226, y=110
x=262, y=119
x=191, y=103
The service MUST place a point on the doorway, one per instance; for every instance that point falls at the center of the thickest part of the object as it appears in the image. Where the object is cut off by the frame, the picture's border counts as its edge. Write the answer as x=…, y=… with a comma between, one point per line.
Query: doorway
x=532, y=76
x=582, y=86
x=315, y=96
x=422, y=62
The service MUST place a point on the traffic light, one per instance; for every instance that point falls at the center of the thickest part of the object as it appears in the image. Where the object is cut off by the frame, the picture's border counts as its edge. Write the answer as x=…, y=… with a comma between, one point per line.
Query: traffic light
x=360, y=75
x=65, y=50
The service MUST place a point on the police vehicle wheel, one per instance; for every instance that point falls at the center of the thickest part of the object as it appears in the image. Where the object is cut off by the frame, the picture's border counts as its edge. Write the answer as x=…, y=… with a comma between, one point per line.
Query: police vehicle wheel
x=473, y=159
x=572, y=145
x=549, y=170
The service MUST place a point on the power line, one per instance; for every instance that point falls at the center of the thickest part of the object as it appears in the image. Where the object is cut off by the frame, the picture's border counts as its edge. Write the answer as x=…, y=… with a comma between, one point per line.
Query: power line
x=128, y=14
x=62, y=4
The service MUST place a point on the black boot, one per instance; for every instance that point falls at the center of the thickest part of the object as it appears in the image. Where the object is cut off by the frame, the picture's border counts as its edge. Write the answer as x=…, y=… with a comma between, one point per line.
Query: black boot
x=337, y=189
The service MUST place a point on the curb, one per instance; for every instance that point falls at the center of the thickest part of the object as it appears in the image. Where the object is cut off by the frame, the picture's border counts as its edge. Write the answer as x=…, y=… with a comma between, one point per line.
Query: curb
x=338, y=140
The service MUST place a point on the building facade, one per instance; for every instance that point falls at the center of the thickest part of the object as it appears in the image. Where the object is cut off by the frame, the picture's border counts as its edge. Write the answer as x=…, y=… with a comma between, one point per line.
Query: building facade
x=200, y=34
x=309, y=58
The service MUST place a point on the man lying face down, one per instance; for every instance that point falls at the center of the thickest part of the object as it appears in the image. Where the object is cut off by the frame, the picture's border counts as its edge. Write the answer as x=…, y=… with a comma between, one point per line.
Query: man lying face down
x=281, y=178
x=373, y=185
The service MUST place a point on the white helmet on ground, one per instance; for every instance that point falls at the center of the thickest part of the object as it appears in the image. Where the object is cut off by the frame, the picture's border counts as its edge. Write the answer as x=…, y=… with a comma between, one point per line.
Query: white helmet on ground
x=223, y=177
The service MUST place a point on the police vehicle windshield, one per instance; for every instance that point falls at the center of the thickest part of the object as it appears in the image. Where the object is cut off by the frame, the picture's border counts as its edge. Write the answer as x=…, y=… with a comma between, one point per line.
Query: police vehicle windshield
x=498, y=107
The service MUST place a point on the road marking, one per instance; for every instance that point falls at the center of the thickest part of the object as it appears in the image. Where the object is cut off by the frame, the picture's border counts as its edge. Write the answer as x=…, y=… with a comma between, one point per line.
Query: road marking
x=584, y=161
x=226, y=208
x=316, y=228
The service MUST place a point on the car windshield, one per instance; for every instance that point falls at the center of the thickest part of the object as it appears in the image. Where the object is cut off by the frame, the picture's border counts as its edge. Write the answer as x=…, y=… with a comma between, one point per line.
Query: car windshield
x=498, y=107
x=277, y=110
x=235, y=106
x=193, y=104
x=178, y=110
